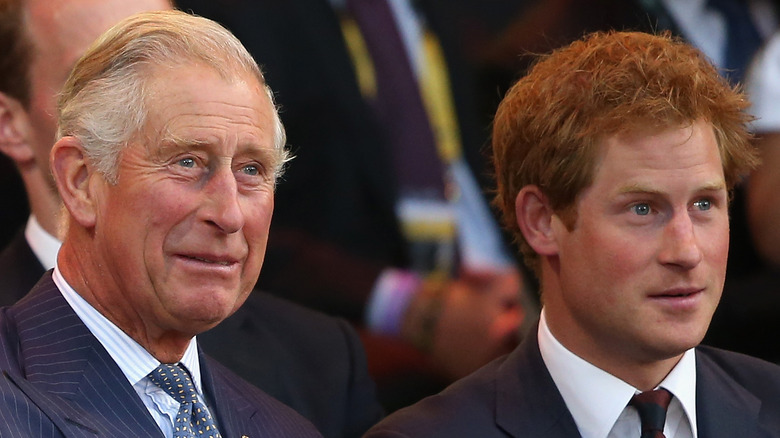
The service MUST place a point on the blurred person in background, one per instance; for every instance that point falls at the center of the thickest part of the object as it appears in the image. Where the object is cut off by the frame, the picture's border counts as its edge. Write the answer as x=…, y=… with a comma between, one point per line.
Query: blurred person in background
x=382, y=217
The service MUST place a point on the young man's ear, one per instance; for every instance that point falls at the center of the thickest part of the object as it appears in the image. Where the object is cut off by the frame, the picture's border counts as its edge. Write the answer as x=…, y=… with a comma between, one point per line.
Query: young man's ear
x=535, y=218
x=72, y=175
x=14, y=131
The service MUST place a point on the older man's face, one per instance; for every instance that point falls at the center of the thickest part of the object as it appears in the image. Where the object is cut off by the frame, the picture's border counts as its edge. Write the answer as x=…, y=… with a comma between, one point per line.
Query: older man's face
x=183, y=233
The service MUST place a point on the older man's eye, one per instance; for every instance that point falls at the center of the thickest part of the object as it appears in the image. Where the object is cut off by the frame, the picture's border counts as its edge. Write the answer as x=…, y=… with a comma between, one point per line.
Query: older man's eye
x=187, y=162
x=703, y=204
x=250, y=169
x=641, y=209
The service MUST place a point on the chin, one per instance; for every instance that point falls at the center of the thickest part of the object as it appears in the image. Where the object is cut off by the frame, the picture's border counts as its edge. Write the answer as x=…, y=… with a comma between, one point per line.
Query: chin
x=675, y=347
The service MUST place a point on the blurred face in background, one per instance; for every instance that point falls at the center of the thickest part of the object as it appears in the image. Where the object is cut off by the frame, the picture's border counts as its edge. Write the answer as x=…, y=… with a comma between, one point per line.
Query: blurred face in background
x=61, y=31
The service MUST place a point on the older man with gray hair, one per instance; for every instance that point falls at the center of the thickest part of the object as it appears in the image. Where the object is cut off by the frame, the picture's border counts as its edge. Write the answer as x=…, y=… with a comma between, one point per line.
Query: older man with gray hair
x=168, y=149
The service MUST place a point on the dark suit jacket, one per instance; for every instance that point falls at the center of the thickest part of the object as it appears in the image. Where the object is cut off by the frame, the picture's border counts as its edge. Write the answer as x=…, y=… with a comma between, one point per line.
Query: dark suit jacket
x=19, y=270
x=59, y=381
x=311, y=362
x=514, y=396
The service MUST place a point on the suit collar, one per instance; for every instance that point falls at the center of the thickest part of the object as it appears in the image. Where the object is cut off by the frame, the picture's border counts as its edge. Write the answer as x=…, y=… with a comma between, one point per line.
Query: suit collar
x=65, y=370
x=234, y=411
x=724, y=408
x=523, y=385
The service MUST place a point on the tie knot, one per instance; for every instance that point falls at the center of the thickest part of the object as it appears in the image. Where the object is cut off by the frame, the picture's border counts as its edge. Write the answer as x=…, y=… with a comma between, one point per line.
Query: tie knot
x=175, y=381
x=651, y=406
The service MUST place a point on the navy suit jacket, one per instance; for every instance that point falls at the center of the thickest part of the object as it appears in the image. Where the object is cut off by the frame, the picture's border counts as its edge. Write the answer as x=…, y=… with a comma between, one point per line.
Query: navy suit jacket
x=59, y=381
x=515, y=396
x=309, y=361
x=312, y=362
x=19, y=269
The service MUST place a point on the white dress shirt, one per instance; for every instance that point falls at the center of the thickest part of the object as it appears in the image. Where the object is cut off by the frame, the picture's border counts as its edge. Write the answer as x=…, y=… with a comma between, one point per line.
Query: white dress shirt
x=598, y=401
x=43, y=245
x=134, y=361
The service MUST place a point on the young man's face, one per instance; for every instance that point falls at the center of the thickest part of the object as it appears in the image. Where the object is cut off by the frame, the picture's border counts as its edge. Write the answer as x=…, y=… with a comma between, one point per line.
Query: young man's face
x=638, y=277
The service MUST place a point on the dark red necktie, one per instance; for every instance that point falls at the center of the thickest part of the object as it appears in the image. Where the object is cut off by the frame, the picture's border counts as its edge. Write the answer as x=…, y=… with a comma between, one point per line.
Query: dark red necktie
x=651, y=406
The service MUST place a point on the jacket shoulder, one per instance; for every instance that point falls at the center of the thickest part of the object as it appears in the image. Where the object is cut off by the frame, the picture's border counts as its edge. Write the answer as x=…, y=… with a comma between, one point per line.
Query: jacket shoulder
x=310, y=361
x=243, y=405
x=756, y=375
x=465, y=408
x=750, y=381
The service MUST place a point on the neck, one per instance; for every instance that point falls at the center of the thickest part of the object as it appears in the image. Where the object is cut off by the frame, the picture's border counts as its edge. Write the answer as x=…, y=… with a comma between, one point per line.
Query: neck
x=44, y=201
x=642, y=370
x=88, y=278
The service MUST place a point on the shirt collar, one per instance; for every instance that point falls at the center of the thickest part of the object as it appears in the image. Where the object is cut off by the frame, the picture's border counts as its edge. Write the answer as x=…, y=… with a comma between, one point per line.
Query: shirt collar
x=134, y=361
x=43, y=245
x=681, y=382
x=596, y=398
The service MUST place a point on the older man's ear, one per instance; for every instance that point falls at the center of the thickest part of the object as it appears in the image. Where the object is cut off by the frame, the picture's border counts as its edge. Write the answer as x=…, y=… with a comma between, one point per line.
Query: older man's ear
x=73, y=177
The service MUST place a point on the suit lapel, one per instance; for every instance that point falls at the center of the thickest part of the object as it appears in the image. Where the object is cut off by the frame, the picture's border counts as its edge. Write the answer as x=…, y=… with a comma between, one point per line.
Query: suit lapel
x=527, y=401
x=529, y=404
x=68, y=373
x=233, y=412
x=723, y=408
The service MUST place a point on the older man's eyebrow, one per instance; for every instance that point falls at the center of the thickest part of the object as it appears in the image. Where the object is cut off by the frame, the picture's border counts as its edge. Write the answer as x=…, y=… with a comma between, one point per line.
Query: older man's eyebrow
x=172, y=144
x=172, y=140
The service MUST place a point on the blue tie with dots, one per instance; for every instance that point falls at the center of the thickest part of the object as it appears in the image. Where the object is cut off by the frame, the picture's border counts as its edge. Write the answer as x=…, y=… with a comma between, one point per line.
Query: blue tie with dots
x=193, y=419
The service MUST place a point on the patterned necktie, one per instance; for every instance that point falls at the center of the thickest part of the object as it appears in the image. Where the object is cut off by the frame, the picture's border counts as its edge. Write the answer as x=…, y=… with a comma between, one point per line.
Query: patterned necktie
x=651, y=406
x=193, y=419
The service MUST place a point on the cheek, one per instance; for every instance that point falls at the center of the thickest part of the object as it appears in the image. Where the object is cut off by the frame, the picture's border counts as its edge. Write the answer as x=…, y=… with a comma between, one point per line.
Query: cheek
x=606, y=258
x=147, y=218
x=715, y=244
x=258, y=212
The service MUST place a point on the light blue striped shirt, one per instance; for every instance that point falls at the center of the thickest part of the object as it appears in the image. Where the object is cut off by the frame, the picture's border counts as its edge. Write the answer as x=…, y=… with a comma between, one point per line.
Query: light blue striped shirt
x=134, y=361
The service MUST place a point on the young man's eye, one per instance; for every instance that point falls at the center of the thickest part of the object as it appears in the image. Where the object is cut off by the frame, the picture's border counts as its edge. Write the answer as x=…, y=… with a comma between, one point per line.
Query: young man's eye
x=703, y=204
x=641, y=209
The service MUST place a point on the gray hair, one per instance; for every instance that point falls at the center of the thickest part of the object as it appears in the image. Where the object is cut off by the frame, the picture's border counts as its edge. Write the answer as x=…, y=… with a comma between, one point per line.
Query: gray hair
x=103, y=101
